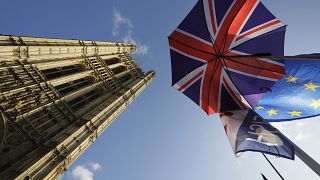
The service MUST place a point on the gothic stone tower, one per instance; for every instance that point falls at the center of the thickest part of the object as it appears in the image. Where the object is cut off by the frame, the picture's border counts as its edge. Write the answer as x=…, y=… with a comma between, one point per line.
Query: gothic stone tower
x=56, y=97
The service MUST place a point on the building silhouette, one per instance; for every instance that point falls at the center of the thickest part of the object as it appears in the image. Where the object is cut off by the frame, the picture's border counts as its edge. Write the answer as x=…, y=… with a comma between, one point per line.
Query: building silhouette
x=56, y=97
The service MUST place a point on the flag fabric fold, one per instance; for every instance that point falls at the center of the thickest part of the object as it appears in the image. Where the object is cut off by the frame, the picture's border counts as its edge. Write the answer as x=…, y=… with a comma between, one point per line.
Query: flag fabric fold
x=296, y=95
x=247, y=131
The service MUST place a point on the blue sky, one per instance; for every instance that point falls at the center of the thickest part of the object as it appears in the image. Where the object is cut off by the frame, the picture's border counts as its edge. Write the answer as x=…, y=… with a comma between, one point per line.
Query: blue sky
x=163, y=135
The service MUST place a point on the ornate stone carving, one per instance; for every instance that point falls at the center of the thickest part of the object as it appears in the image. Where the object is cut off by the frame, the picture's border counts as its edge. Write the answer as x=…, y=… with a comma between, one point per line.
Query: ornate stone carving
x=49, y=90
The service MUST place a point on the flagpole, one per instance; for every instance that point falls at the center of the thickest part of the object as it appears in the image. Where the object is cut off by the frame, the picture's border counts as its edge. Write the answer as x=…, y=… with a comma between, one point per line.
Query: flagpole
x=309, y=161
x=305, y=158
x=274, y=168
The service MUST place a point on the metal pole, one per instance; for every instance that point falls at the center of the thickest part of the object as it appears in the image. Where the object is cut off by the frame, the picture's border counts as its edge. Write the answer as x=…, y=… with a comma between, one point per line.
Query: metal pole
x=264, y=178
x=272, y=166
x=309, y=161
x=305, y=158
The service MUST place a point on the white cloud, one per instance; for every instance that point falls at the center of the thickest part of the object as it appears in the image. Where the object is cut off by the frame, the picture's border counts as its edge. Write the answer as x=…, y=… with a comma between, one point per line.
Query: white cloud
x=300, y=137
x=292, y=129
x=118, y=21
x=95, y=166
x=81, y=173
x=142, y=49
x=85, y=171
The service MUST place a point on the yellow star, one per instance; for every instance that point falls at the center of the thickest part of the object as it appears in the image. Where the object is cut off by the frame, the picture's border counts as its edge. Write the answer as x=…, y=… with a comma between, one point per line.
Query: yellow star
x=315, y=103
x=259, y=107
x=292, y=79
x=272, y=112
x=294, y=113
x=311, y=86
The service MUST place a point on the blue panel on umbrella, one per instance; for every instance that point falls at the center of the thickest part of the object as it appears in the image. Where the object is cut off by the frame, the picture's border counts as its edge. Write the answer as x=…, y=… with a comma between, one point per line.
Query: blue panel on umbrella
x=259, y=16
x=221, y=8
x=271, y=42
x=193, y=92
x=227, y=103
x=249, y=85
x=182, y=65
x=195, y=23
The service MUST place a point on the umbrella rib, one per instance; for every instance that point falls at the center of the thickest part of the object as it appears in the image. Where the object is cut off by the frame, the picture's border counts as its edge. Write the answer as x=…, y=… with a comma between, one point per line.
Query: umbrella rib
x=215, y=46
x=191, y=46
x=214, y=71
x=227, y=72
x=225, y=37
x=256, y=37
x=224, y=42
x=228, y=58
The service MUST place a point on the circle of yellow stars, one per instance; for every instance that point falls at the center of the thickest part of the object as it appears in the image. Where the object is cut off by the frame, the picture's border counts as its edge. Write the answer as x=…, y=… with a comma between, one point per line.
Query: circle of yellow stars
x=273, y=112
x=315, y=103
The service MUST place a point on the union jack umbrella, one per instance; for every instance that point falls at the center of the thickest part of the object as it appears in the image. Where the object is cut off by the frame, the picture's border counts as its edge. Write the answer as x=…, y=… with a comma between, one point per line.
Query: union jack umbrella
x=219, y=54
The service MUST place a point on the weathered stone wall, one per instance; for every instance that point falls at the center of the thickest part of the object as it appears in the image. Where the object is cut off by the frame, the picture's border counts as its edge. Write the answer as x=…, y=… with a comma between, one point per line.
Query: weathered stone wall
x=56, y=97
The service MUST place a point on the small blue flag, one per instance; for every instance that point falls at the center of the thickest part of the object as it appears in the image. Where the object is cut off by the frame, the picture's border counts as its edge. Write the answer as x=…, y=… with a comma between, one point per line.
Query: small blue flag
x=296, y=95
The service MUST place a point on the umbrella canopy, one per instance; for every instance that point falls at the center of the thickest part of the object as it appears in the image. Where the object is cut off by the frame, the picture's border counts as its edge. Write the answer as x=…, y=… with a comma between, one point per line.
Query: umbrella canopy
x=216, y=54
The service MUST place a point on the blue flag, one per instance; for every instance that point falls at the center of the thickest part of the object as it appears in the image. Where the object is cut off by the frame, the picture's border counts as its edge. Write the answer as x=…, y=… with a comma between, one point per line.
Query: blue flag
x=296, y=95
x=247, y=131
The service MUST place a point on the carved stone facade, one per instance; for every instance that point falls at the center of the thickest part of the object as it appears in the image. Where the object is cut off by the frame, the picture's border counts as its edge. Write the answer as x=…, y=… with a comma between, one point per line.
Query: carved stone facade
x=56, y=97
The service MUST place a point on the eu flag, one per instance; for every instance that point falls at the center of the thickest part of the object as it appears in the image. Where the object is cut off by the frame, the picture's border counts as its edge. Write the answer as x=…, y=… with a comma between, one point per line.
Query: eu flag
x=296, y=95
